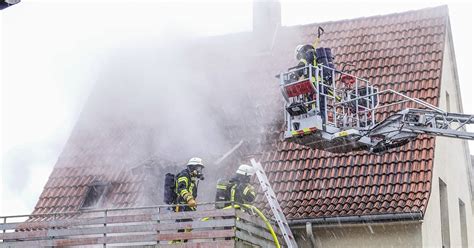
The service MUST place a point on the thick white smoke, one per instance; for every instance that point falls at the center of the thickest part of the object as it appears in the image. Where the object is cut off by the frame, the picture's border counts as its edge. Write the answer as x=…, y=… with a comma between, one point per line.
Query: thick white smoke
x=170, y=101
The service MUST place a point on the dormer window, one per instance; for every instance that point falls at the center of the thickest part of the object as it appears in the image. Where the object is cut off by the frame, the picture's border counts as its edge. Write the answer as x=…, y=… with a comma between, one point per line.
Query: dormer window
x=95, y=195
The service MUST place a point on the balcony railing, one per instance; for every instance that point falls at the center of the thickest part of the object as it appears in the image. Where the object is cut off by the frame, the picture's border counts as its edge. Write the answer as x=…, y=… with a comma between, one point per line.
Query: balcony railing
x=155, y=226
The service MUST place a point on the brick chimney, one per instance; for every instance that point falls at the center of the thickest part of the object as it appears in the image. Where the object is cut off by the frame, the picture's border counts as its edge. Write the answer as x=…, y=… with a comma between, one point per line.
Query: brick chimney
x=266, y=21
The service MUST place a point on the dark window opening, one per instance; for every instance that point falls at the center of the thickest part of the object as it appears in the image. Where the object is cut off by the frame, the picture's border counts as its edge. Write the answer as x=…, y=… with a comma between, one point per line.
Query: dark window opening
x=462, y=216
x=97, y=190
x=448, y=102
x=443, y=197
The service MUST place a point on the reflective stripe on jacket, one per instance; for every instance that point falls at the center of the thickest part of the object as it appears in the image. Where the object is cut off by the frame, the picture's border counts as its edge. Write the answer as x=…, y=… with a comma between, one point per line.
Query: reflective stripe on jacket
x=186, y=188
x=242, y=193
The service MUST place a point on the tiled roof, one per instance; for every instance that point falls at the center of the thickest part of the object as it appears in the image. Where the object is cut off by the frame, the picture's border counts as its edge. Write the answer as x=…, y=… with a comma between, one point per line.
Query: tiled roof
x=320, y=184
x=67, y=188
x=399, y=51
x=403, y=52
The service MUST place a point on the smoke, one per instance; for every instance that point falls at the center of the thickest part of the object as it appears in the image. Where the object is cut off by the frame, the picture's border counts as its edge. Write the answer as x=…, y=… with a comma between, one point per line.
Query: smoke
x=171, y=100
x=160, y=94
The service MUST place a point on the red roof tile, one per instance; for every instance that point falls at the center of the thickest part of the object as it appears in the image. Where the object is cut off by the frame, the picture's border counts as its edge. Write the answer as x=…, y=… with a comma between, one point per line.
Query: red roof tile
x=67, y=188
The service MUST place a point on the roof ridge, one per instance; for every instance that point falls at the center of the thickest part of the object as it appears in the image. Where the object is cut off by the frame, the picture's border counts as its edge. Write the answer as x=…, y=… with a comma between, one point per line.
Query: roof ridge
x=441, y=9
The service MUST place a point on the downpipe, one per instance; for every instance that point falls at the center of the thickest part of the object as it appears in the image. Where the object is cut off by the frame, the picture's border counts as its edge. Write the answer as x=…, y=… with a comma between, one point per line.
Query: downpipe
x=310, y=234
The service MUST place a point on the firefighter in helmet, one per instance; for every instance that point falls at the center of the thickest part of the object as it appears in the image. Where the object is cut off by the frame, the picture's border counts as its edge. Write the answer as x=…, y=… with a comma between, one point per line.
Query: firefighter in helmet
x=187, y=184
x=306, y=55
x=236, y=190
x=186, y=190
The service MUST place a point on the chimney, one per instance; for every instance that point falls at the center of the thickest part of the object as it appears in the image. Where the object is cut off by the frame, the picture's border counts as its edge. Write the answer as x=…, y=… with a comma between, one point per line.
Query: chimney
x=266, y=21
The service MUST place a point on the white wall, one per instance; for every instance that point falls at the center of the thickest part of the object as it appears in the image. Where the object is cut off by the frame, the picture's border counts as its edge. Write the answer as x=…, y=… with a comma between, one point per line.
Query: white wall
x=401, y=234
x=451, y=165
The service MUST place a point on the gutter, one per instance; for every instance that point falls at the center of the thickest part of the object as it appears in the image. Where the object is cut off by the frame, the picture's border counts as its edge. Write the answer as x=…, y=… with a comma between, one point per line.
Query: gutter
x=362, y=219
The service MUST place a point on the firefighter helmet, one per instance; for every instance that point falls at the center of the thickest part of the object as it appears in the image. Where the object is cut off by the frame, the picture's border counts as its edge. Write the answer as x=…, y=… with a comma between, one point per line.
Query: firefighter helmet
x=301, y=50
x=298, y=51
x=195, y=161
x=245, y=170
x=196, y=166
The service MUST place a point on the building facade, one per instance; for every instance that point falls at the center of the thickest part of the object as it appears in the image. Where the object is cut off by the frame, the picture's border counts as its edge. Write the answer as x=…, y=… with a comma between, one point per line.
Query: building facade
x=417, y=195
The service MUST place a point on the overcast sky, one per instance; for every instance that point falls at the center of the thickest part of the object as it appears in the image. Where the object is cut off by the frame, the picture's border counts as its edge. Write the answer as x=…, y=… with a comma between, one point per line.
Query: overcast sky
x=52, y=53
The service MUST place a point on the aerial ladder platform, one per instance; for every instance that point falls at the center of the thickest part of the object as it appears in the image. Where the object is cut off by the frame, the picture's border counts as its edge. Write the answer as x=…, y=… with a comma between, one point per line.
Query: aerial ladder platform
x=338, y=112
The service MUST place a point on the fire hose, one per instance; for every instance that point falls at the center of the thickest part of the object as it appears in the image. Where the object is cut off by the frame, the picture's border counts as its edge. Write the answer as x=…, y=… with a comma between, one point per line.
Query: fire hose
x=261, y=215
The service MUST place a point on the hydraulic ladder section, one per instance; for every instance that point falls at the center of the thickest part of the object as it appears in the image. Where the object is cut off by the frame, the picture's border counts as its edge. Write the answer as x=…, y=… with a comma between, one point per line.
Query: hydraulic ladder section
x=449, y=124
x=337, y=113
x=274, y=205
x=421, y=121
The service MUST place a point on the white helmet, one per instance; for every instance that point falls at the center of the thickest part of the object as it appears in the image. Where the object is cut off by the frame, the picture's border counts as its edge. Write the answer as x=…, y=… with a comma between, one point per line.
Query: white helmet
x=245, y=170
x=298, y=50
x=195, y=161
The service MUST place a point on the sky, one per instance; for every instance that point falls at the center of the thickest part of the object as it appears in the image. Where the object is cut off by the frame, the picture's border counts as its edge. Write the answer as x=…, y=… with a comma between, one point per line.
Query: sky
x=52, y=52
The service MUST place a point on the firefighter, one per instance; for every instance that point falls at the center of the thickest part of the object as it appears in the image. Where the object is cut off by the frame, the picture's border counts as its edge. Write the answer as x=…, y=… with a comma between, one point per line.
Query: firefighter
x=306, y=55
x=187, y=184
x=186, y=190
x=236, y=190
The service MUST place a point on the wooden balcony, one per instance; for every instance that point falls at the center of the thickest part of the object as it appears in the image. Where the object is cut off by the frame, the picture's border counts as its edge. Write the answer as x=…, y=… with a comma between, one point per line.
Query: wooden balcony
x=137, y=227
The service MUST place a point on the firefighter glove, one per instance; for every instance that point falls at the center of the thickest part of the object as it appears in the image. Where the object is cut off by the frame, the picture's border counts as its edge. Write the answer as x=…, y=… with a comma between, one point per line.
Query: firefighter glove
x=192, y=203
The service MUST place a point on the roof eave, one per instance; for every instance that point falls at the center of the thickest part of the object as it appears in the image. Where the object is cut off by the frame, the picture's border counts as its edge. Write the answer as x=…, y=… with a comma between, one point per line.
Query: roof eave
x=362, y=219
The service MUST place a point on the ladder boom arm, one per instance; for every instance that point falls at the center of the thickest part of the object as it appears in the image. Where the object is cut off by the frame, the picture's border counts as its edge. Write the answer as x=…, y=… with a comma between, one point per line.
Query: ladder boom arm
x=422, y=121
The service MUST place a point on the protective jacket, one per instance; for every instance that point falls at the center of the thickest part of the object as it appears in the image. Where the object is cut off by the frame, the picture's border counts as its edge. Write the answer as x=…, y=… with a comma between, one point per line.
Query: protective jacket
x=242, y=193
x=309, y=58
x=237, y=191
x=186, y=188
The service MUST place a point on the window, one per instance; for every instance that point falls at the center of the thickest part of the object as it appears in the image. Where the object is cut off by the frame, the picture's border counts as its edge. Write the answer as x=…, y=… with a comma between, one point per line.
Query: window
x=443, y=198
x=95, y=194
x=448, y=102
x=462, y=221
